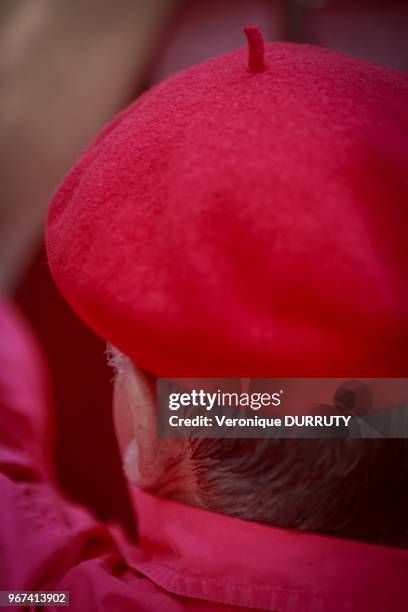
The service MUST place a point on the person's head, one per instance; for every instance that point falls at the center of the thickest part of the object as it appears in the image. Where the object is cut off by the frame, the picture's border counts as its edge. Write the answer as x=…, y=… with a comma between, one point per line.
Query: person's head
x=355, y=488
x=249, y=219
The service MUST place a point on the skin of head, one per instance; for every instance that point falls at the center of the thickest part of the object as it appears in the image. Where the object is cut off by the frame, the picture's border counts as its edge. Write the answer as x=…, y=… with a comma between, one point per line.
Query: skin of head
x=159, y=465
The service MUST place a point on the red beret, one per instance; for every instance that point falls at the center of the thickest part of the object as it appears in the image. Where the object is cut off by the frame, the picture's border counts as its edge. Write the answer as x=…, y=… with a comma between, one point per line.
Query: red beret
x=246, y=221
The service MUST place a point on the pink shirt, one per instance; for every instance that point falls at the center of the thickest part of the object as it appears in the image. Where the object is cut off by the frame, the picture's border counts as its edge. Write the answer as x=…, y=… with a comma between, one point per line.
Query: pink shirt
x=186, y=559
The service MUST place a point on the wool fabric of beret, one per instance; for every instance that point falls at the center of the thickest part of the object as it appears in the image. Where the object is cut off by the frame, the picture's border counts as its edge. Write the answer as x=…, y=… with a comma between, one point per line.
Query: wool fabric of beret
x=246, y=218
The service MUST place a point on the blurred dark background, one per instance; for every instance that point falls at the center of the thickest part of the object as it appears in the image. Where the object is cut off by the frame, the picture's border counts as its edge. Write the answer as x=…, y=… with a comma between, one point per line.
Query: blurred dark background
x=66, y=67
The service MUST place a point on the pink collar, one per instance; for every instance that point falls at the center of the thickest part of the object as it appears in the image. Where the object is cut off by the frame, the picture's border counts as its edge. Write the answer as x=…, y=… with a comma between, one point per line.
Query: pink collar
x=212, y=557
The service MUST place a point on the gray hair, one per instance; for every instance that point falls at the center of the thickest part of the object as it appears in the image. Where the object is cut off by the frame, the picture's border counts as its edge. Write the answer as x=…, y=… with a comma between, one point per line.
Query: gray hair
x=352, y=488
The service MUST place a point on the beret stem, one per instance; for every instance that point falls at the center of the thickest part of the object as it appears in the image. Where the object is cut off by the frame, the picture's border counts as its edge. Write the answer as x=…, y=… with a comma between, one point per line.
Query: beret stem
x=256, y=55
